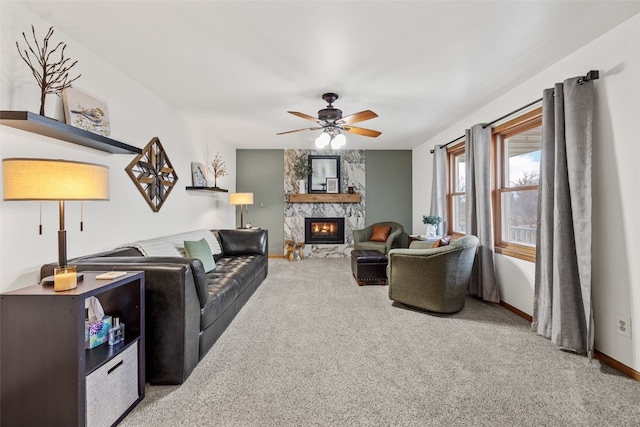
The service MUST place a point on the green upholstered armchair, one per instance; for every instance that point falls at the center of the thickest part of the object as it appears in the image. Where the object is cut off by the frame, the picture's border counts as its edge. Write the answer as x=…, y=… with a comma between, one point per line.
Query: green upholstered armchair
x=433, y=279
x=362, y=238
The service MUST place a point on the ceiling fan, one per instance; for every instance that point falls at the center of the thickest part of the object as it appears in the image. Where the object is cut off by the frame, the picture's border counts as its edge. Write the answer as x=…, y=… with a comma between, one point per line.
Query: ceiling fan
x=332, y=123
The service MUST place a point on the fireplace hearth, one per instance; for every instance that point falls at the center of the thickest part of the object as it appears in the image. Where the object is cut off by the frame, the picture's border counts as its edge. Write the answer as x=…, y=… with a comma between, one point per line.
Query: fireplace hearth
x=324, y=230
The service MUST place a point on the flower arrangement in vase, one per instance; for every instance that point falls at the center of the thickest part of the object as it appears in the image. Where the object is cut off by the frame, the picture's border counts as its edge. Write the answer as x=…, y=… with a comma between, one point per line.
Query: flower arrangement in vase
x=432, y=221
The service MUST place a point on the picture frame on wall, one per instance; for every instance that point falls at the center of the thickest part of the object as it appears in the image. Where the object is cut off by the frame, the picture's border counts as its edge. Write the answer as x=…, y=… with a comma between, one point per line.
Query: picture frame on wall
x=332, y=185
x=153, y=174
x=83, y=111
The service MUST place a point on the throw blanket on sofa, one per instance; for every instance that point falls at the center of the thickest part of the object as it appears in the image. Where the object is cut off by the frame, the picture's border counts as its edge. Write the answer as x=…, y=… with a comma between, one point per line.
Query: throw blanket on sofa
x=174, y=245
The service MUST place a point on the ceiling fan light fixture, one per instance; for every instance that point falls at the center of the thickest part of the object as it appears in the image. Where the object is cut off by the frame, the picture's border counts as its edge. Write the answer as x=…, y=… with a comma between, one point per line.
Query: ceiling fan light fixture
x=323, y=140
x=338, y=141
x=333, y=123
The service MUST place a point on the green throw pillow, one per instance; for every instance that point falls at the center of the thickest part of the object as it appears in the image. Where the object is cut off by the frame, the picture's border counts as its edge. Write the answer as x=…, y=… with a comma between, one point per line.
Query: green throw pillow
x=202, y=251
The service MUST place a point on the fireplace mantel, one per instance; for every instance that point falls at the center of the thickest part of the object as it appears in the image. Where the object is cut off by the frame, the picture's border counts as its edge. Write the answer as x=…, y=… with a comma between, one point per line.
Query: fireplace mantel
x=324, y=198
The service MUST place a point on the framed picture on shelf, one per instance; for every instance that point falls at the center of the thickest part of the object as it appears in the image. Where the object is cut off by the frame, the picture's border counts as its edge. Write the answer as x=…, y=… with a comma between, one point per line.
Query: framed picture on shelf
x=83, y=111
x=198, y=174
x=332, y=185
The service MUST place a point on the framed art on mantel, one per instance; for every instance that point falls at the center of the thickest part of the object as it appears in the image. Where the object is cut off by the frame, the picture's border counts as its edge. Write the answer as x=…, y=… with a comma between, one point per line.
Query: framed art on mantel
x=332, y=185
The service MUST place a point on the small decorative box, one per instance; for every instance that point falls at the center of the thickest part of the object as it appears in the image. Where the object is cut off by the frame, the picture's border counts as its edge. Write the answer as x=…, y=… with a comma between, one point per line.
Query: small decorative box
x=96, y=333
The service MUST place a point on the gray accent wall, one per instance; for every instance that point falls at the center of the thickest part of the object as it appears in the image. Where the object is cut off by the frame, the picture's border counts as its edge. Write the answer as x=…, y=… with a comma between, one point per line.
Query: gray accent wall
x=389, y=188
x=260, y=172
x=387, y=179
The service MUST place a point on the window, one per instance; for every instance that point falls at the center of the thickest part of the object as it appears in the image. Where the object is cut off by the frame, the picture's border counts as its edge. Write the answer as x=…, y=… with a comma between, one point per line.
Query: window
x=456, y=190
x=515, y=175
x=516, y=170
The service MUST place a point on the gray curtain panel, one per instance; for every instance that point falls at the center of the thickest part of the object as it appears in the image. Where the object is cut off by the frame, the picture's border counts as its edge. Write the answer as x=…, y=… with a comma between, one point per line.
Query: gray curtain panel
x=439, y=187
x=562, y=308
x=479, y=216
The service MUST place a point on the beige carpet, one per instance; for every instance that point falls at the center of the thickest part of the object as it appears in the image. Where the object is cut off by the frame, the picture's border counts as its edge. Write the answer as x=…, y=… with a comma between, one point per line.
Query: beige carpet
x=311, y=348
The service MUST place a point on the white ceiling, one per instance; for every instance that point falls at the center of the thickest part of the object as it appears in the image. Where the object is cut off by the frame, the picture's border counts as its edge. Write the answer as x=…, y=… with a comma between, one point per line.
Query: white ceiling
x=238, y=66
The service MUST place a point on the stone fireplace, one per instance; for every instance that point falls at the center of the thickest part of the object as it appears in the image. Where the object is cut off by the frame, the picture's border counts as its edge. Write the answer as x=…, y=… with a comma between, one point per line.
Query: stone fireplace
x=324, y=230
x=352, y=174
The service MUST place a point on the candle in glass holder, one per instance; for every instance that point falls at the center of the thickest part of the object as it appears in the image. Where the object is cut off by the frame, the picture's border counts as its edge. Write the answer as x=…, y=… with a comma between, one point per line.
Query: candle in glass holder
x=65, y=278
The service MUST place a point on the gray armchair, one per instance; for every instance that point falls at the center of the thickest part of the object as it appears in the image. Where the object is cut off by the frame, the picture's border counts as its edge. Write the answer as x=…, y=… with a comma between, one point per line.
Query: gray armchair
x=362, y=238
x=433, y=279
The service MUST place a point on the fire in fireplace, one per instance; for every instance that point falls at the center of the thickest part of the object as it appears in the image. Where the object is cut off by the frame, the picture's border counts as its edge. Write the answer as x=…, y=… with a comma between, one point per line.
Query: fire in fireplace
x=324, y=230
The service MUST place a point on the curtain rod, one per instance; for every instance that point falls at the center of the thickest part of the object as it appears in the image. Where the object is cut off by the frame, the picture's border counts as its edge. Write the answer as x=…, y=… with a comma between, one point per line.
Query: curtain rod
x=591, y=75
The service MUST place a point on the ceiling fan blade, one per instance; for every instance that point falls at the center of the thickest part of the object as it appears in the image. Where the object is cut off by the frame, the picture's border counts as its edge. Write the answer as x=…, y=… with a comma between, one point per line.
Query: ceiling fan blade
x=297, y=130
x=362, y=131
x=359, y=117
x=303, y=116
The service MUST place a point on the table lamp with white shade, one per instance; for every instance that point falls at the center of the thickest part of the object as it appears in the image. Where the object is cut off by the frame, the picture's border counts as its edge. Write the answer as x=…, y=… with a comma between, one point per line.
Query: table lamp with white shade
x=242, y=199
x=56, y=180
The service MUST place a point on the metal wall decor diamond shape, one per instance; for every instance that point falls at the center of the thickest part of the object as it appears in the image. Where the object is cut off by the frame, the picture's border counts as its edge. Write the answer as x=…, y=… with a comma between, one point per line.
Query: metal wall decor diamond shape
x=153, y=174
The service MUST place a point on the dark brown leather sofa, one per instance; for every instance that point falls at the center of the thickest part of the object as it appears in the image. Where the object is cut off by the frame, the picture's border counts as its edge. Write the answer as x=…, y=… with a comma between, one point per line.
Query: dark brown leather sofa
x=187, y=310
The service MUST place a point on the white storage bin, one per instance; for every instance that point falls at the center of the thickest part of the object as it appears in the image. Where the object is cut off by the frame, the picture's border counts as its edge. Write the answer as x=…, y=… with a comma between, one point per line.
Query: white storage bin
x=112, y=388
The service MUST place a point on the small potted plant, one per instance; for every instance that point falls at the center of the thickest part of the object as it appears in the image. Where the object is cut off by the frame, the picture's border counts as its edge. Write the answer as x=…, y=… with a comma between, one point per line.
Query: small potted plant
x=301, y=171
x=432, y=222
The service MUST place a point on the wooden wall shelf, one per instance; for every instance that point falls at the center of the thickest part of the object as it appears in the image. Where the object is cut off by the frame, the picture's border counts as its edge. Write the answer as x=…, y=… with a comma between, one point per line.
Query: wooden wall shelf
x=41, y=125
x=215, y=189
x=324, y=198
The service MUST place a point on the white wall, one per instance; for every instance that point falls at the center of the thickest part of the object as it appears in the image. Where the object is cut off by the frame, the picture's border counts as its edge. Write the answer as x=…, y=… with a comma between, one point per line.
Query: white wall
x=136, y=117
x=616, y=247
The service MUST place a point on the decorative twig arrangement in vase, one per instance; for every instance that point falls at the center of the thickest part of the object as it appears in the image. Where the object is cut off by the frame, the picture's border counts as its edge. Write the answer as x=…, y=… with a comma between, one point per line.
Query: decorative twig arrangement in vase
x=301, y=171
x=432, y=221
x=51, y=74
x=218, y=168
